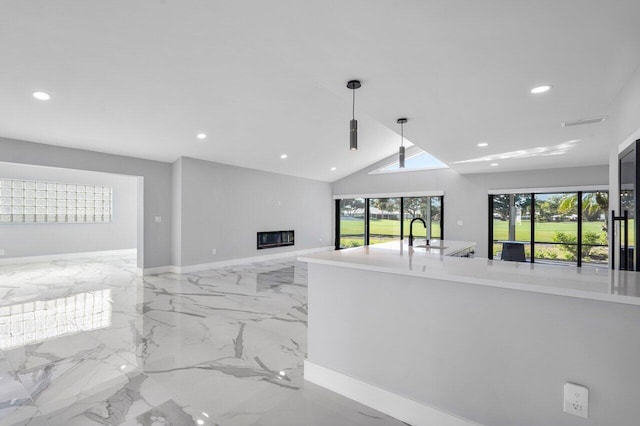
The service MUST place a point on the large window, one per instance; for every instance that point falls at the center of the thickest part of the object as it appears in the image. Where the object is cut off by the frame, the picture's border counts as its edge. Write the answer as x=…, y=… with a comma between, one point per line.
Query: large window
x=361, y=221
x=561, y=227
x=25, y=201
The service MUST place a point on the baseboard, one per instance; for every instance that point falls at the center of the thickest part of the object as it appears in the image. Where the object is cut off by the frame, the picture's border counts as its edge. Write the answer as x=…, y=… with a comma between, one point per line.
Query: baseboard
x=159, y=270
x=66, y=256
x=400, y=407
x=231, y=262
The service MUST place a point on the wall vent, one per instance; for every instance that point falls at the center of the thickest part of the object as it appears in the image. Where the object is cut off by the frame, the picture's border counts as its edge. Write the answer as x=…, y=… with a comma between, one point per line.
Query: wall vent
x=584, y=121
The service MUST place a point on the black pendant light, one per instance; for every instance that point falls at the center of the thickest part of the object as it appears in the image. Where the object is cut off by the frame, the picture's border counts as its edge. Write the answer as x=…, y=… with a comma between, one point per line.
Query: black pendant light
x=401, y=122
x=353, y=125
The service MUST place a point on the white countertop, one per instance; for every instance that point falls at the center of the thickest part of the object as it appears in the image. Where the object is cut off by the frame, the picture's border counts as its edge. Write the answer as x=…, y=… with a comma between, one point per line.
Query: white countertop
x=594, y=283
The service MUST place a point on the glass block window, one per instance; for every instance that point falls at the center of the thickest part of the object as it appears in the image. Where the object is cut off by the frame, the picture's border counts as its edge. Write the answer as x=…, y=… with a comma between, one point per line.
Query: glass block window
x=25, y=201
x=35, y=322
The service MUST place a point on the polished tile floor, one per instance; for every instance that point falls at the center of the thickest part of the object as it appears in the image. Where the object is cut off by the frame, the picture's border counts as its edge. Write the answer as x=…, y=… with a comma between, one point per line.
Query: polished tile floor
x=88, y=342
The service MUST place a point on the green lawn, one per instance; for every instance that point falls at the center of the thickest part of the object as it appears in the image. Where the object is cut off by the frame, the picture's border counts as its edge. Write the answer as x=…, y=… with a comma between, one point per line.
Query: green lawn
x=381, y=230
x=545, y=231
x=384, y=227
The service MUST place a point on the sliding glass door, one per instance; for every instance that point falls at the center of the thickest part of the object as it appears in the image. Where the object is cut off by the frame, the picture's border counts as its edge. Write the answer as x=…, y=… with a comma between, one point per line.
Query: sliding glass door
x=416, y=207
x=362, y=221
x=384, y=220
x=351, y=222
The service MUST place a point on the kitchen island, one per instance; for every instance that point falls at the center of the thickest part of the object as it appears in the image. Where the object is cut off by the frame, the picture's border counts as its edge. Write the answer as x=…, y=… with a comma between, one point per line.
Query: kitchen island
x=435, y=339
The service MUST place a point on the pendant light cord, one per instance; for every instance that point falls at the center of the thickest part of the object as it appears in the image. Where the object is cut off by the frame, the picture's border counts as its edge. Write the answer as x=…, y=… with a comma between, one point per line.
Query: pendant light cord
x=402, y=134
x=353, y=109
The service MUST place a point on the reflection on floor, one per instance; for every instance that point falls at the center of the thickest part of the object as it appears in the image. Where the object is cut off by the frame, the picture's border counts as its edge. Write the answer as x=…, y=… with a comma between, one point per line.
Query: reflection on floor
x=89, y=343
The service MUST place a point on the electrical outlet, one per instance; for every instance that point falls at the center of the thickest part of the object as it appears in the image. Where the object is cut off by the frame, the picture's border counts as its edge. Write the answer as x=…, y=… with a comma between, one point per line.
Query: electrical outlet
x=576, y=400
x=158, y=219
x=1, y=252
x=214, y=251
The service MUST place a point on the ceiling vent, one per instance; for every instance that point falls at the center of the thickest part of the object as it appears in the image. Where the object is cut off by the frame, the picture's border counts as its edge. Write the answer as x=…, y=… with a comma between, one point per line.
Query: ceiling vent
x=584, y=121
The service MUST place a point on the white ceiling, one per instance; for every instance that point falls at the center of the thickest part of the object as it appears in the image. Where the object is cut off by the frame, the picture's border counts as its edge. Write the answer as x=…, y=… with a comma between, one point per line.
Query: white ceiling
x=263, y=78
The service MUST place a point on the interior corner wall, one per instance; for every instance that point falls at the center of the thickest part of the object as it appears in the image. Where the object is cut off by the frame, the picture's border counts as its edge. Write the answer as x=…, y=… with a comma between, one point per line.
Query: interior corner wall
x=157, y=186
x=39, y=239
x=223, y=208
x=466, y=200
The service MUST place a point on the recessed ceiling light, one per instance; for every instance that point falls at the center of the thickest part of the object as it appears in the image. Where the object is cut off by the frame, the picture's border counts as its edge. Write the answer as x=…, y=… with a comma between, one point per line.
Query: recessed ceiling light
x=201, y=136
x=483, y=144
x=333, y=169
x=493, y=164
x=42, y=96
x=541, y=89
x=283, y=156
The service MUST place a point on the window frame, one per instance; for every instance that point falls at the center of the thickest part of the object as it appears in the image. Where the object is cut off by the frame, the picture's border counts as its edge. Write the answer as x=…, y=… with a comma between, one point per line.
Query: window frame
x=577, y=191
x=429, y=196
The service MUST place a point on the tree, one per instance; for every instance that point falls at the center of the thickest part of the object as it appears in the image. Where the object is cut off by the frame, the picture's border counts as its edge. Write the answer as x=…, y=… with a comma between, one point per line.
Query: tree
x=357, y=206
x=523, y=201
x=501, y=206
x=414, y=206
x=381, y=204
x=594, y=204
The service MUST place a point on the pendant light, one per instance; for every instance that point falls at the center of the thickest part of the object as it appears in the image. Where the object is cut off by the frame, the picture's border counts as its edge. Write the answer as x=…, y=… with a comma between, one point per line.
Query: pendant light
x=353, y=125
x=401, y=122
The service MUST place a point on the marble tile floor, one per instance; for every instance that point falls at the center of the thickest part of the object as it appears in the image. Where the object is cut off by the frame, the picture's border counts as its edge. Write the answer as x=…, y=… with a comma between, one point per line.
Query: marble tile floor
x=87, y=342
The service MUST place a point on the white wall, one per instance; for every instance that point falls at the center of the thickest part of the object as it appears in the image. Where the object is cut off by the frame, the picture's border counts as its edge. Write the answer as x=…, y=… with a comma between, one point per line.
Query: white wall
x=154, y=238
x=18, y=240
x=466, y=196
x=223, y=207
x=496, y=356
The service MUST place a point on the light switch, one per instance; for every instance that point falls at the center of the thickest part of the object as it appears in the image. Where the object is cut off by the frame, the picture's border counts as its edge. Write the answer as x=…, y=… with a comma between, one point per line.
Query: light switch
x=158, y=219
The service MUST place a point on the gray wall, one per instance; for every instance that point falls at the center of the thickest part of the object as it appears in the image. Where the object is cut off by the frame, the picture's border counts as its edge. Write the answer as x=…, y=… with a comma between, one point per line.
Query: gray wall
x=176, y=212
x=495, y=356
x=223, y=207
x=56, y=238
x=465, y=196
x=155, y=247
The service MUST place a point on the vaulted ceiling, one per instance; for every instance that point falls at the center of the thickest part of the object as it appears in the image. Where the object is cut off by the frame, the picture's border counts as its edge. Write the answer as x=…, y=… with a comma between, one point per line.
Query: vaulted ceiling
x=265, y=78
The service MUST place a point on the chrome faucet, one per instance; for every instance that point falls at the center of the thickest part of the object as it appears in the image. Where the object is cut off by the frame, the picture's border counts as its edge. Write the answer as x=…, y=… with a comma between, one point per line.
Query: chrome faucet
x=411, y=230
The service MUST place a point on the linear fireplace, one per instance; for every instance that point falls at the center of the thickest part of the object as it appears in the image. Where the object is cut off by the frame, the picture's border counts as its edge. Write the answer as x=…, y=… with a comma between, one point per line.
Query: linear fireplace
x=272, y=239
